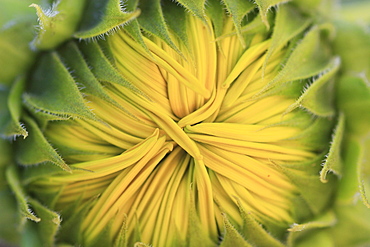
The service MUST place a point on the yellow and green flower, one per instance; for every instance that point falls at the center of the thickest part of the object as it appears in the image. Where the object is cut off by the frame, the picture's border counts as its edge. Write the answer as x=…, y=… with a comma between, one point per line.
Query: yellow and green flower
x=184, y=123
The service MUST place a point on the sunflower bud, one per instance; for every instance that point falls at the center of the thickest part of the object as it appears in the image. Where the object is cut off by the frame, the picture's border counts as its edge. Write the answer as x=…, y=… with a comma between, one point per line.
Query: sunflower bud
x=188, y=123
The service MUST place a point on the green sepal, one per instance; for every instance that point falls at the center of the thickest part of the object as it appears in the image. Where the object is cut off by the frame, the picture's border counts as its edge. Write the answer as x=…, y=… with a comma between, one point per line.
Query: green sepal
x=10, y=125
x=348, y=188
x=102, y=68
x=134, y=30
x=6, y=156
x=133, y=27
x=153, y=22
x=74, y=213
x=121, y=240
x=301, y=232
x=101, y=17
x=318, y=98
x=48, y=225
x=333, y=161
x=309, y=58
x=254, y=26
x=23, y=204
x=53, y=93
x=16, y=55
x=289, y=22
x=176, y=21
x=35, y=149
x=214, y=11
x=353, y=99
x=57, y=23
x=253, y=231
x=238, y=10
x=354, y=51
x=30, y=236
x=231, y=236
x=74, y=60
x=305, y=177
x=103, y=238
x=312, y=135
x=9, y=216
x=353, y=227
x=196, y=7
x=264, y=6
x=40, y=171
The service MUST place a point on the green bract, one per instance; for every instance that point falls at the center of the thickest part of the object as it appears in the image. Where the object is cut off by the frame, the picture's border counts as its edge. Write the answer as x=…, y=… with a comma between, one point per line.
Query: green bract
x=184, y=123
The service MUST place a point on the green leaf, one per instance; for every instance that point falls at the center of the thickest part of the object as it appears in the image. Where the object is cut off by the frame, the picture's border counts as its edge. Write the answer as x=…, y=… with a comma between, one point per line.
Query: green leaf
x=348, y=187
x=52, y=91
x=310, y=57
x=101, y=17
x=214, y=11
x=74, y=60
x=121, y=240
x=57, y=23
x=354, y=51
x=153, y=22
x=353, y=225
x=255, y=233
x=265, y=5
x=74, y=214
x=176, y=20
x=16, y=55
x=9, y=217
x=23, y=204
x=231, y=236
x=353, y=99
x=196, y=7
x=289, y=23
x=103, y=238
x=318, y=98
x=102, y=68
x=10, y=125
x=305, y=176
x=333, y=161
x=297, y=231
x=35, y=149
x=48, y=225
x=238, y=9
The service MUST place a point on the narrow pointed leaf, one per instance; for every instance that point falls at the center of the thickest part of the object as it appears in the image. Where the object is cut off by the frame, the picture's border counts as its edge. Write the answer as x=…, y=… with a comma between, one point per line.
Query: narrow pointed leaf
x=49, y=223
x=318, y=98
x=265, y=5
x=101, y=17
x=152, y=21
x=333, y=162
x=238, y=9
x=23, y=204
x=232, y=237
x=53, y=91
x=289, y=23
x=308, y=59
x=255, y=233
x=196, y=7
x=35, y=149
